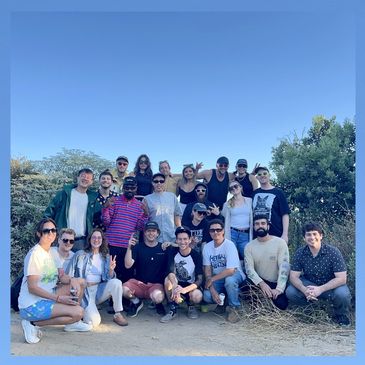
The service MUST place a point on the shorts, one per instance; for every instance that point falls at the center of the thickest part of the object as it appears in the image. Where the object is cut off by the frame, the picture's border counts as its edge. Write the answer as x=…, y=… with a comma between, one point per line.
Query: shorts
x=38, y=311
x=186, y=296
x=143, y=290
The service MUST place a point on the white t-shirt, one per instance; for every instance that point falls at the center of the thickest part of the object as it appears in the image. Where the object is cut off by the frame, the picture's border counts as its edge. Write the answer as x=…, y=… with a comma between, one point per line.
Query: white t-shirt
x=77, y=212
x=222, y=257
x=38, y=262
x=59, y=259
x=94, y=275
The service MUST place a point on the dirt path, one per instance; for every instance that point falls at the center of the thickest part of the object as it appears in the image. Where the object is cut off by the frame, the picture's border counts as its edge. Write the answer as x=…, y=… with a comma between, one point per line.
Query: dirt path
x=210, y=335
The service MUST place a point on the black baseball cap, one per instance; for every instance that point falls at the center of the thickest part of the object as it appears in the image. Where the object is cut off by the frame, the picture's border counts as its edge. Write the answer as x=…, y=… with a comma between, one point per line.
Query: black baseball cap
x=241, y=161
x=130, y=181
x=223, y=159
x=151, y=225
x=183, y=229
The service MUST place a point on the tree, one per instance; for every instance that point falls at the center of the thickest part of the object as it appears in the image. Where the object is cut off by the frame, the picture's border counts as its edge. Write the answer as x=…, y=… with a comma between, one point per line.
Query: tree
x=317, y=172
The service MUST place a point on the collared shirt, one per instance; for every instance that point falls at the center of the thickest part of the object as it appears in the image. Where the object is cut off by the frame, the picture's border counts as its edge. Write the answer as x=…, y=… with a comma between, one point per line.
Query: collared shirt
x=97, y=221
x=321, y=268
x=122, y=219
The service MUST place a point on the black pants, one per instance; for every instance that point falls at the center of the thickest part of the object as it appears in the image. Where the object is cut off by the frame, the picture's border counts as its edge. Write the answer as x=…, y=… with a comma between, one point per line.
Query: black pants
x=123, y=274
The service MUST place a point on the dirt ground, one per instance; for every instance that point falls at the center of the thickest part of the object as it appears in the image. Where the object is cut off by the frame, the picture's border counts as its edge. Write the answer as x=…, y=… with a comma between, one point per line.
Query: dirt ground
x=209, y=335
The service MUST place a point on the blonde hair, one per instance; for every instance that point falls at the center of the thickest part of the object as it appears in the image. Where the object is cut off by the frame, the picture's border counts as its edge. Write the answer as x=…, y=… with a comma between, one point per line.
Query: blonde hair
x=231, y=201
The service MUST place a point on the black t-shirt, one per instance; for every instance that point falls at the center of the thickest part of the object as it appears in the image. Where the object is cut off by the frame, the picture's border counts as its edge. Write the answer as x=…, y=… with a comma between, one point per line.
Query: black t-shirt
x=273, y=204
x=144, y=184
x=186, y=268
x=200, y=233
x=151, y=263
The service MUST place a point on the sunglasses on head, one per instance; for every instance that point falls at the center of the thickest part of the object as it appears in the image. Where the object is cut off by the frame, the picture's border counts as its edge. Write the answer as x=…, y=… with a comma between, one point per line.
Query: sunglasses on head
x=49, y=230
x=234, y=187
x=241, y=165
x=158, y=181
x=200, y=190
x=215, y=230
x=122, y=163
x=223, y=165
x=262, y=173
x=66, y=240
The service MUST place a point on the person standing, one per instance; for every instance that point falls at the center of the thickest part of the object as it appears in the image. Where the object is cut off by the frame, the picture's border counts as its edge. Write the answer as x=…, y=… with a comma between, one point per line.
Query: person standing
x=163, y=208
x=143, y=173
x=271, y=201
x=75, y=207
x=217, y=181
x=318, y=271
x=171, y=180
x=119, y=174
x=248, y=181
x=237, y=212
x=186, y=185
x=267, y=263
x=222, y=270
x=122, y=217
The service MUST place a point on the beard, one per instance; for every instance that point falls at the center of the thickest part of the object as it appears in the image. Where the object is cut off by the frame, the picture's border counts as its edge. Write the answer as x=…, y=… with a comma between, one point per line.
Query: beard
x=129, y=194
x=261, y=232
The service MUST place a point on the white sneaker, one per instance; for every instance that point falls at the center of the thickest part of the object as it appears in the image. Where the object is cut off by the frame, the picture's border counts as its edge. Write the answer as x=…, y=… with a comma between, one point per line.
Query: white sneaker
x=30, y=332
x=79, y=326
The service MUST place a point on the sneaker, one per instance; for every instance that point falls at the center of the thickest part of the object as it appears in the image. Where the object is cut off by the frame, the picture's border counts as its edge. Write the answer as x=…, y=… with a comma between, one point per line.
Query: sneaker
x=343, y=320
x=151, y=305
x=120, y=319
x=79, y=326
x=39, y=332
x=168, y=317
x=192, y=312
x=160, y=309
x=233, y=316
x=135, y=308
x=220, y=309
x=30, y=332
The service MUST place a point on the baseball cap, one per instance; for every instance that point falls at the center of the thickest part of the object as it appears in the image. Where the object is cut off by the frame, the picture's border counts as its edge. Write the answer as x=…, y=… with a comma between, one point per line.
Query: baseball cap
x=183, y=229
x=200, y=207
x=257, y=169
x=130, y=180
x=122, y=158
x=223, y=159
x=241, y=161
x=151, y=225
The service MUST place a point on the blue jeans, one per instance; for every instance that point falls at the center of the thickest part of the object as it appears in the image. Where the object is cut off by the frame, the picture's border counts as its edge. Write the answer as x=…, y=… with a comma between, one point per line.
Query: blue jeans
x=240, y=239
x=340, y=297
x=229, y=285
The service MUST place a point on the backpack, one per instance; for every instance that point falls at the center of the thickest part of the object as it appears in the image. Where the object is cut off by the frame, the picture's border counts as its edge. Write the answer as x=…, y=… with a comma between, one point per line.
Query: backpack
x=14, y=292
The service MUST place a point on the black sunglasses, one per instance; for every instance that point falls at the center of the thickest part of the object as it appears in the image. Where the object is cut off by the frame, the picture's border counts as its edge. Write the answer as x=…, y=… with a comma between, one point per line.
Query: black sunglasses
x=241, y=165
x=129, y=188
x=158, y=181
x=49, y=230
x=66, y=240
x=214, y=230
x=202, y=213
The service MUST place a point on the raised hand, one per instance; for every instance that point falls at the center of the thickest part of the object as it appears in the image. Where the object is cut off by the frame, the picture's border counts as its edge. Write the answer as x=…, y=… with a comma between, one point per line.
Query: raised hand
x=113, y=262
x=109, y=202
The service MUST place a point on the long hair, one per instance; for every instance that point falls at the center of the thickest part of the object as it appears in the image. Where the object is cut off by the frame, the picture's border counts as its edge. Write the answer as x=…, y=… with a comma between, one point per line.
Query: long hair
x=103, y=249
x=232, y=201
x=190, y=166
x=40, y=225
x=148, y=169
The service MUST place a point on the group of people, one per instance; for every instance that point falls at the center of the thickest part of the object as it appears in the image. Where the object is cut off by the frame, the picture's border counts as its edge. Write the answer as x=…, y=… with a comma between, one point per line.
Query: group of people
x=133, y=240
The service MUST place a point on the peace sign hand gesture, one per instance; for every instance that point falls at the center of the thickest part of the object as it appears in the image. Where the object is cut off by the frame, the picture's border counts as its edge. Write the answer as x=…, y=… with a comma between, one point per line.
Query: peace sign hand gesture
x=113, y=262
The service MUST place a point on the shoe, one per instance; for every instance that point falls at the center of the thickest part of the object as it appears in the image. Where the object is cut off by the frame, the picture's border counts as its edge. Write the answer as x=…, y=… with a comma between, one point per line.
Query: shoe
x=220, y=309
x=30, y=332
x=168, y=317
x=110, y=310
x=151, y=305
x=39, y=332
x=160, y=309
x=135, y=308
x=79, y=326
x=343, y=320
x=120, y=319
x=192, y=312
x=233, y=316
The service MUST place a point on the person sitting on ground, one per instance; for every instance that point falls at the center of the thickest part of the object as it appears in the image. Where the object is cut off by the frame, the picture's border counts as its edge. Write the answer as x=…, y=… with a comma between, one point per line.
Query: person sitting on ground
x=318, y=271
x=185, y=278
x=237, y=212
x=41, y=301
x=150, y=261
x=201, y=194
x=222, y=270
x=267, y=263
x=96, y=266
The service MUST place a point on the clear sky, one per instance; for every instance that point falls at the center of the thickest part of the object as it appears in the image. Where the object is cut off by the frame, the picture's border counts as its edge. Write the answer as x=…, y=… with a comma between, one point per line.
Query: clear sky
x=185, y=87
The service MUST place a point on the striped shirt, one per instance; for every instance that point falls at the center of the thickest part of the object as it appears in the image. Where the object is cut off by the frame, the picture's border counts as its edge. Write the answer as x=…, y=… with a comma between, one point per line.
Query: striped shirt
x=122, y=219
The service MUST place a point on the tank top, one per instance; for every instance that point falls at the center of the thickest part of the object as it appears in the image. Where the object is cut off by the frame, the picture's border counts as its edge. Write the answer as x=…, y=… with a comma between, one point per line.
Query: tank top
x=144, y=184
x=185, y=197
x=218, y=190
x=247, y=186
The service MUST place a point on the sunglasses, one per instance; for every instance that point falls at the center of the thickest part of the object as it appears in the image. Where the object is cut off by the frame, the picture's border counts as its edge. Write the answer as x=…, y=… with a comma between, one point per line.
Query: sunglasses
x=215, y=230
x=200, y=190
x=223, y=165
x=129, y=188
x=201, y=213
x=240, y=165
x=233, y=187
x=49, y=230
x=262, y=173
x=144, y=162
x=66, y=240
x=158, y=181
x=122, y=164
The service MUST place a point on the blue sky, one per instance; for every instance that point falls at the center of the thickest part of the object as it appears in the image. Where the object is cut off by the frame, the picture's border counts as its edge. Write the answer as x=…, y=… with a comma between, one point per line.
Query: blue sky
x=185, y=87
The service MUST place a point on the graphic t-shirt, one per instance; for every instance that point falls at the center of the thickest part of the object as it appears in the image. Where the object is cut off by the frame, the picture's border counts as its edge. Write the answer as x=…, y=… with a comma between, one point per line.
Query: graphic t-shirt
x=41, y=263
x=61, y=261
